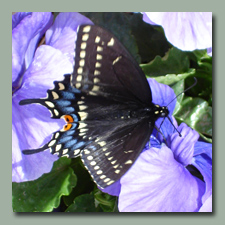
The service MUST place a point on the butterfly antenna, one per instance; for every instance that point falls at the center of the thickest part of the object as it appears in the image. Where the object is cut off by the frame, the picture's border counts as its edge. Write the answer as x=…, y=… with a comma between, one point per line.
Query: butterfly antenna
x=186, y=89
x=174, y=99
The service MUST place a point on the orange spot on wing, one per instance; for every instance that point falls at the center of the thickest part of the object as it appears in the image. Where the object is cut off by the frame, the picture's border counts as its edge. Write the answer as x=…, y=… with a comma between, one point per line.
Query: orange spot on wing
x=68, y=119
x=67, y=126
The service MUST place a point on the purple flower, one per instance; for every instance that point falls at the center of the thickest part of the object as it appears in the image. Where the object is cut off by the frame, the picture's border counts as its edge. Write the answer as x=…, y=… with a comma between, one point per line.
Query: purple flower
x=33, y=71
x=185, y=30
x=161, y=179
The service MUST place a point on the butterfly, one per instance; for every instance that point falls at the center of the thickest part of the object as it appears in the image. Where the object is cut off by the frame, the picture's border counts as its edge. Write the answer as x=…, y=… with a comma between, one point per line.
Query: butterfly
x=107, y=106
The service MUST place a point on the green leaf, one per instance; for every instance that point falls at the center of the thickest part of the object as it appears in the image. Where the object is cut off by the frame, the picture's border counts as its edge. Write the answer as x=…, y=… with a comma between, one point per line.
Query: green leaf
x=178, y=89
x=205, y=64
x=83, y=203
x=174, y=62
x=105, y=202
x=150, y=39
x=84, y=184
x=170, y=79
x=203, y=73
x=43, y=194
x=196, y=55
x=197, y=114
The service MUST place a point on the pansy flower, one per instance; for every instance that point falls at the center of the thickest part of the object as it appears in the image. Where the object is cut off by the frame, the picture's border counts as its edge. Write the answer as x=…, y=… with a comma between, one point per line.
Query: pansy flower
x=163, y=178
x=34, y=68
x=187, y=31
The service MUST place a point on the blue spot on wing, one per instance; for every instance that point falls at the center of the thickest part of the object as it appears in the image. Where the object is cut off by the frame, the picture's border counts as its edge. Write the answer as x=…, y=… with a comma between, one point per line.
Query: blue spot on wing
x=92, y=147
x=75, y=118
x=70, y=143
x=74, y=90
x=63, y=103
x=68, y=110
x=68, y=95
x=69, y=132
x=65, y=139
x=79, y=145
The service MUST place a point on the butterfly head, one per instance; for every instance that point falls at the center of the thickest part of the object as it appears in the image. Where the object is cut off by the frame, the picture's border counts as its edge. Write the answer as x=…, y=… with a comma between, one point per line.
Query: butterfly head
x=157, y=111
x=161, y=111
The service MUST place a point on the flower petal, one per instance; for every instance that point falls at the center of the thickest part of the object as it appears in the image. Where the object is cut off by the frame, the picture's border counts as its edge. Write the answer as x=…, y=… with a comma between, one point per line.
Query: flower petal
x=147, y=19
x=29, y=167
x=183, y=147
x=207, y=206
x=163, y=95
x=158, y=183
x=49, y=64
x=203, y=147
x=113, y=189
x=185, y=30
x=17, y=17
x=64, y=28
x=32, y=125
x=25, y=37
x=204, y=164
x=202, y=160
x=209, y=51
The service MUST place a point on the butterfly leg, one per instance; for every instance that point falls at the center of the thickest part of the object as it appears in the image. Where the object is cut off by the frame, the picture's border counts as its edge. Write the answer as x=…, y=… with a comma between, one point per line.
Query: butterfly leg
x=158, y=131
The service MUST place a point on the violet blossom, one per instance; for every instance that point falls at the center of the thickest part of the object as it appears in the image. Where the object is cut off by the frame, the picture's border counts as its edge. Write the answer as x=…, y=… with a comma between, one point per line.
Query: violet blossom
x=187, y=31
x=161, y=180
x=33, y=71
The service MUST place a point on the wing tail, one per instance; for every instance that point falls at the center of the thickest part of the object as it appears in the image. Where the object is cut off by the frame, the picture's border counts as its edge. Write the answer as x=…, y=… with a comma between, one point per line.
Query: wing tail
x=33, y=151
x=30, y=101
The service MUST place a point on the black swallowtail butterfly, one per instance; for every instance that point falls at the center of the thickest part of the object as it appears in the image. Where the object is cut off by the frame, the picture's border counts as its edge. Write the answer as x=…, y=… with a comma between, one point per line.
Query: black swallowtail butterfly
x=107, y=105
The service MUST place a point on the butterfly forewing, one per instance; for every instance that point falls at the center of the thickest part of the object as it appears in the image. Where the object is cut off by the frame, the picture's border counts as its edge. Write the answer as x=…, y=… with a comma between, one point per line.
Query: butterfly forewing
x=104, y=67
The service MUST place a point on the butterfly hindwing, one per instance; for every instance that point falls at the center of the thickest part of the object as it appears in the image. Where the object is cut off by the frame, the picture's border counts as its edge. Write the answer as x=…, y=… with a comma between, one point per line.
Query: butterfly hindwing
x=61, y=100
x=112, y=154
x=87, y=118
